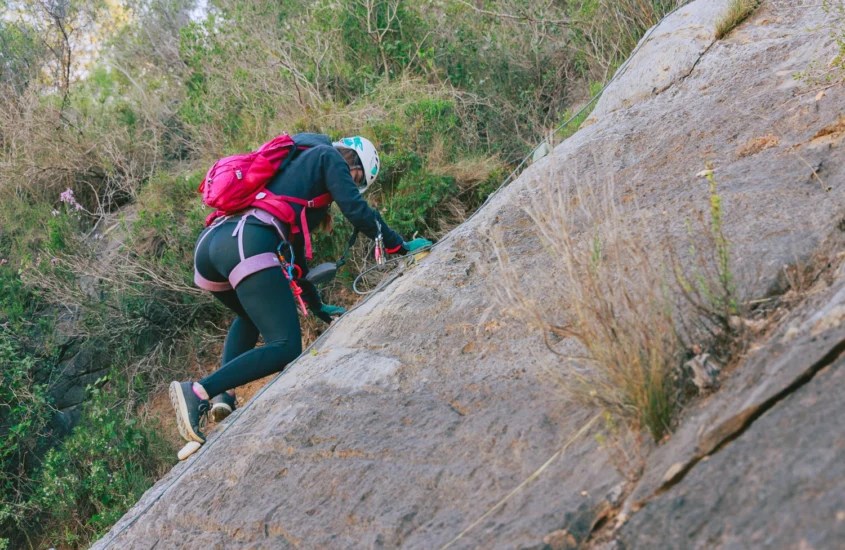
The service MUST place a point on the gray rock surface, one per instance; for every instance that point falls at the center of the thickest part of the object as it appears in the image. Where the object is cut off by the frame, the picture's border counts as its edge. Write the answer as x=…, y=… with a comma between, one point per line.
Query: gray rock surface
x=807, y=341
x=781, y=484
x=666, y=55
x=425, y=407
x=78, y=366
x=760, y=464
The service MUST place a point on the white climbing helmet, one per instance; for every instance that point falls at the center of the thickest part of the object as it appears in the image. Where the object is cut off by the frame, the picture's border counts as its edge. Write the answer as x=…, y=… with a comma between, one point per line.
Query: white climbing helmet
x=366, y=152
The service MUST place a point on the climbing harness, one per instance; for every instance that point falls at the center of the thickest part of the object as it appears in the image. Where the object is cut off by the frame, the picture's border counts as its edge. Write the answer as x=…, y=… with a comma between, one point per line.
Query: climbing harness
x=247, y=266
x=283, y=257
x=382, y=285
x=288, y=267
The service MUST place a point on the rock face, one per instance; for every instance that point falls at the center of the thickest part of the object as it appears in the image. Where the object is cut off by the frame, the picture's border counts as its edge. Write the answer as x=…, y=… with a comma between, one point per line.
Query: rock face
x=781, y=484
x=425, y=407
x=760, y=464
x=666, y=56
x=68, y=380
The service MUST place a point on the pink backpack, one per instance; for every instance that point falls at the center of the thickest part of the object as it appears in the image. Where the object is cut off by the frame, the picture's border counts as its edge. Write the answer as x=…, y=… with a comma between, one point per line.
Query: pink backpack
x=238, y=182
x=233, y=182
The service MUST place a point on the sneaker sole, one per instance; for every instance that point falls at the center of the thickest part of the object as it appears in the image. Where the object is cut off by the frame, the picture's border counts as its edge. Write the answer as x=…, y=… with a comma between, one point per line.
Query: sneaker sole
x=181, y=408
x=220, y=411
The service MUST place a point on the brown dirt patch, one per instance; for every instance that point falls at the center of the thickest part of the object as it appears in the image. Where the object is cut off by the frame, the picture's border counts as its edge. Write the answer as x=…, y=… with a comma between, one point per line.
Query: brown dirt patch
x=758, y=144
x=158, y=409
x=245, y=393
x=835, y=130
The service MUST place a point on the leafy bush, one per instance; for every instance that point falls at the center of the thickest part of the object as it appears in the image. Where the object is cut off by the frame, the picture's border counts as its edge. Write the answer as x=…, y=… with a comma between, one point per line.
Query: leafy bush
x=414, y=203
x=96, y=474
x=24, y=416
x=79, y=488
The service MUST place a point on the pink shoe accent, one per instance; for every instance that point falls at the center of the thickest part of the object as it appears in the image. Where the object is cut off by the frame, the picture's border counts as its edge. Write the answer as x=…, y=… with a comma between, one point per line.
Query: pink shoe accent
x=197, y=388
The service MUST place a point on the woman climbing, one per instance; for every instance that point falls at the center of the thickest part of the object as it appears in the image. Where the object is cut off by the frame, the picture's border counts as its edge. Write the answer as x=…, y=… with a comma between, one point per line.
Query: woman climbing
x=236, y=259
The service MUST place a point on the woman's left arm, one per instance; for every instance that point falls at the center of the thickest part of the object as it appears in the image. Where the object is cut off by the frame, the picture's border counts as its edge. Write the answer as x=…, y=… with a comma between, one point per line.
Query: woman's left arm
x=353, y=206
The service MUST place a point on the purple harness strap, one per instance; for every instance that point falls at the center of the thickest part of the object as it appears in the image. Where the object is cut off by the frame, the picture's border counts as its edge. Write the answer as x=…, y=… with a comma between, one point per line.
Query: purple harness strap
x=247, y=266
x=211, y=286
x=251, y=265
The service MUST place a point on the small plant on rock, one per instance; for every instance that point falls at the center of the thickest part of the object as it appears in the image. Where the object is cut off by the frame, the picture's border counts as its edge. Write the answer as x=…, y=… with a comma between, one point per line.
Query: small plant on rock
x=705, y=281
x=737, y=12
x=625, y=313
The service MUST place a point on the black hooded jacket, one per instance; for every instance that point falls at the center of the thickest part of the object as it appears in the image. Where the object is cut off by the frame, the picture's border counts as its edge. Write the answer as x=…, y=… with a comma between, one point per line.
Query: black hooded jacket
x=318, y=170
x=322, y=169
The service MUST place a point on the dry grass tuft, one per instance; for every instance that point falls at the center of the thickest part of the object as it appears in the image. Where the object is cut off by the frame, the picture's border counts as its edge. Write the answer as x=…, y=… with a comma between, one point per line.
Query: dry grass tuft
x=468, y=172
x=625, y=311
x=619, y=309
x=737, y=12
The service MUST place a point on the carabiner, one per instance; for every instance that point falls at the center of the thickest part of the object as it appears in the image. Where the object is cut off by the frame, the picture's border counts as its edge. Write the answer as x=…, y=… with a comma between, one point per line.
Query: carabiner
x=381, y=256
x=287, y=269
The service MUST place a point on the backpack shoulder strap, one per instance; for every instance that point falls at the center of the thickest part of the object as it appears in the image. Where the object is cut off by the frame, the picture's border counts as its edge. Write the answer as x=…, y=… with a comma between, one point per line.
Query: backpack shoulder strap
x=320, y=201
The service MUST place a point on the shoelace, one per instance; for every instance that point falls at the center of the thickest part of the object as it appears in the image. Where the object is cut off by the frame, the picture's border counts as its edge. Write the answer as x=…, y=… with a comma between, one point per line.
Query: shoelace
x=204, y=409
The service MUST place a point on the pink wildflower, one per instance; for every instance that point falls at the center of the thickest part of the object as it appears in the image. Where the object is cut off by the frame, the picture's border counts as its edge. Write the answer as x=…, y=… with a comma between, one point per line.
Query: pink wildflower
x=68, y=198
x=4, y=261
x=55, y=212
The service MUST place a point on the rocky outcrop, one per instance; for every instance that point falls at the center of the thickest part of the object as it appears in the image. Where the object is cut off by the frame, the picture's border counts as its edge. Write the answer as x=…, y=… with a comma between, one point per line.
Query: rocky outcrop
x=67, y=380
x=424, y=408
x=666, y=55
x=80, y=360
x=762, y=463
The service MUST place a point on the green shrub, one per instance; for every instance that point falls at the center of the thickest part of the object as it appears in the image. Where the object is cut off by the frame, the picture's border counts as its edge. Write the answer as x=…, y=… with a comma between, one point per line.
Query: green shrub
x=96, y=474
x=414, y=204
x=24, y=416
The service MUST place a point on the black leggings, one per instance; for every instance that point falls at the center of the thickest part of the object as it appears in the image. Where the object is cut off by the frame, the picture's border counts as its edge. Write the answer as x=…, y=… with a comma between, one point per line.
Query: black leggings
x=263, y=302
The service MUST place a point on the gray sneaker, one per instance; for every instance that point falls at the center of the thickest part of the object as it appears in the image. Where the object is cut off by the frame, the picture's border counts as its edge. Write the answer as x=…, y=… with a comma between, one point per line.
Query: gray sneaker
x=222, y=406
x=191, y=411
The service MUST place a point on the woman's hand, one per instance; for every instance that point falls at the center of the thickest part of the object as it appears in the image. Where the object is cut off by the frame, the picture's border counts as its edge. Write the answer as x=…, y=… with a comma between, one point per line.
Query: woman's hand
x=416, y=244
x=334, y=311
x=327, y=313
